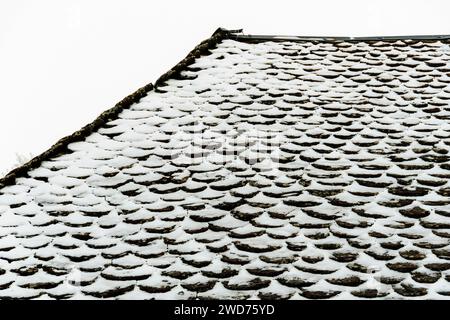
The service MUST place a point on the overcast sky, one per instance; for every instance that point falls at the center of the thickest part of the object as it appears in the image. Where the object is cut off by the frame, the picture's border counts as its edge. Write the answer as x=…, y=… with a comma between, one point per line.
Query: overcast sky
x=63, y=62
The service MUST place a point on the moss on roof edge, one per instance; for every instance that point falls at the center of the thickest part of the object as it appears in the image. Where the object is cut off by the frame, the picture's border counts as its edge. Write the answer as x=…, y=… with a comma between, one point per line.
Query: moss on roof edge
x=60, y=147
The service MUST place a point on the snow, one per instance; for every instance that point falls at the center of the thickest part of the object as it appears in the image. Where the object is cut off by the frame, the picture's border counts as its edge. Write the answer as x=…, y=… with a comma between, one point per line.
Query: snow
x=142, y=197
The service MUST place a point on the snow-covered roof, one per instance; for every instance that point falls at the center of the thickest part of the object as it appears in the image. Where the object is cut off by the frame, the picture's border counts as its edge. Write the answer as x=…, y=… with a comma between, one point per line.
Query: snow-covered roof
x=266, y=168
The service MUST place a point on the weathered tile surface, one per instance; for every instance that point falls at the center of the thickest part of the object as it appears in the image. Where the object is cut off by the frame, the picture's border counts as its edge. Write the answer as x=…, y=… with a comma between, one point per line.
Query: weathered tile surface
x=289, y=169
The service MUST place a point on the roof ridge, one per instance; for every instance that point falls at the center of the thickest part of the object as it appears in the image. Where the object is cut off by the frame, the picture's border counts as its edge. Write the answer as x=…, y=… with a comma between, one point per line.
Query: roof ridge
x=112, y=113
x=61, y=145
x=256, y=37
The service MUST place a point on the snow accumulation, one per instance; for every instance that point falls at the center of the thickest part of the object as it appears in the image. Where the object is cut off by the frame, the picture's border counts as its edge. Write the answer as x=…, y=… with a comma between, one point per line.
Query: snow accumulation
x=271, y=170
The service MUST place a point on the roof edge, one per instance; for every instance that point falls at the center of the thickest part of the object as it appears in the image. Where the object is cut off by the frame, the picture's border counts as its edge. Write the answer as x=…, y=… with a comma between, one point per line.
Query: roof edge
x=61, y=146
x=248, y=37
x=198, y=51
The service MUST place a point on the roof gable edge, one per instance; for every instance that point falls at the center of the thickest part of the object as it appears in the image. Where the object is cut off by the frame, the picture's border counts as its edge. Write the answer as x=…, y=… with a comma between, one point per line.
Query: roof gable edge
x=61, y=146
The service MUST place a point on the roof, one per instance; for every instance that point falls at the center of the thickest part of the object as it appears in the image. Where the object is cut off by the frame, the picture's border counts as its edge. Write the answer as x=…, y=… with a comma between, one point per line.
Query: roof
x=256, y=168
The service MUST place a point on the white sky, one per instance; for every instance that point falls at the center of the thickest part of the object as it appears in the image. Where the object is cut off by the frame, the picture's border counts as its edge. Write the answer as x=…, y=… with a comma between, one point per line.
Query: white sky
x=64, y=62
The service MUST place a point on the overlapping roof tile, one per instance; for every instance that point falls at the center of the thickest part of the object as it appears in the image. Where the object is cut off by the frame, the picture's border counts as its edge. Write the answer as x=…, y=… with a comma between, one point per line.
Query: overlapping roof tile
x=266, y=168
